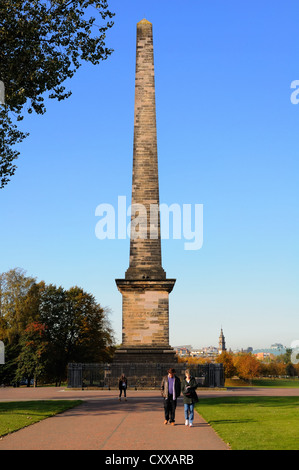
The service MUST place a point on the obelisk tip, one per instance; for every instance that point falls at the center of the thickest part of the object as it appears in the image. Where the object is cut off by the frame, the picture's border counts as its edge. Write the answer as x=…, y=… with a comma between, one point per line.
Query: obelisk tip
x=144, y=21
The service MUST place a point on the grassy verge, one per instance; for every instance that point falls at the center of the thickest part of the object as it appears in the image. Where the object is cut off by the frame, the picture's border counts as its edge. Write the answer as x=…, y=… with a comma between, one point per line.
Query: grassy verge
x=17, y=415
x=254, y=423
x=276, y=383
x=264, y=382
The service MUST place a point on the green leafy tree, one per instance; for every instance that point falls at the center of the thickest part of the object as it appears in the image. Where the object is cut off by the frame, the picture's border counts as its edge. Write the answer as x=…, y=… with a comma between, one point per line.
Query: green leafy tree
x=42, y=44
x=54, y=314
x=32, y=358
x=287, y=356
x=91, y=336
x=8, y=370
x=78, y=329
x=14, y=288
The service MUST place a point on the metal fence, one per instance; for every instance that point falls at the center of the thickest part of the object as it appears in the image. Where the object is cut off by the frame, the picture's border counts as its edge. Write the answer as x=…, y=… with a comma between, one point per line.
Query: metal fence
x=140, y=376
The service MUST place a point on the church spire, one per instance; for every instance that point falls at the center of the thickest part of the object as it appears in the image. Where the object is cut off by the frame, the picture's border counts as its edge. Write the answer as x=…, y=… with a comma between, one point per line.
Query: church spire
x=222, y=346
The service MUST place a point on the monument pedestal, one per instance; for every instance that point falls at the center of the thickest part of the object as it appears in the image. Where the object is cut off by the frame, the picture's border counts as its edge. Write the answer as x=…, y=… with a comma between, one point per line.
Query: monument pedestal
x=145, y=327
x=145, y=355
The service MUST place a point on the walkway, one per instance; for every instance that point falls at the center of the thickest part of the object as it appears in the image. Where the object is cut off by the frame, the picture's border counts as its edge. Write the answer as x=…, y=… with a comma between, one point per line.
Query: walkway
x=101, y=422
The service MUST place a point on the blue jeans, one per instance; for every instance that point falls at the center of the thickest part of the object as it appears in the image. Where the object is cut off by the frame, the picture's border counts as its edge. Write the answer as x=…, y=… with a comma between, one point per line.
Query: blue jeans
x=189, y=412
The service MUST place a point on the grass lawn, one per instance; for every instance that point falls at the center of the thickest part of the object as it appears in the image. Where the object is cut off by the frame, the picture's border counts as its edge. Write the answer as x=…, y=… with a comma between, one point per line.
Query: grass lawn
x=283, y=383
x=264, y=382
x=18, y=414
x=254, y=423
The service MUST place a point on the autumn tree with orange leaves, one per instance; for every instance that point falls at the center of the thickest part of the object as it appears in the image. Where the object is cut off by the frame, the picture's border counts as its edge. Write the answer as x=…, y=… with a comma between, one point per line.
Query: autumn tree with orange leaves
x=227, y=359
x=247, y=366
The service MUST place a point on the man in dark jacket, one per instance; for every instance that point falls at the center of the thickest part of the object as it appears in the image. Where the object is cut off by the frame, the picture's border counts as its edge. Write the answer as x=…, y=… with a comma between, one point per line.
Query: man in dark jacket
x=170, y=391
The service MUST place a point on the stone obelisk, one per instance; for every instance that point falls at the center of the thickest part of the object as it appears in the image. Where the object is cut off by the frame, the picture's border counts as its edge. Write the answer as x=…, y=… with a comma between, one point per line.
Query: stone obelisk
x=145, y=289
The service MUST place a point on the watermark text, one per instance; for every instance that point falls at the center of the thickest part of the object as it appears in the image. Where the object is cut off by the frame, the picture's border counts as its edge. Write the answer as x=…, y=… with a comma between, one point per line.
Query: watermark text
x=139, y=222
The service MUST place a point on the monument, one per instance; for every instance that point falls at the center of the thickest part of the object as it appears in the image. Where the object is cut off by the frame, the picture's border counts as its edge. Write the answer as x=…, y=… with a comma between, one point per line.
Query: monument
x=145, y=353
x=145, y=288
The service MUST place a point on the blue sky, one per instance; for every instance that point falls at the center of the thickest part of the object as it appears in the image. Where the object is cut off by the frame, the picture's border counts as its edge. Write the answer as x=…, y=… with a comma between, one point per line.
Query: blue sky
x=227, y=139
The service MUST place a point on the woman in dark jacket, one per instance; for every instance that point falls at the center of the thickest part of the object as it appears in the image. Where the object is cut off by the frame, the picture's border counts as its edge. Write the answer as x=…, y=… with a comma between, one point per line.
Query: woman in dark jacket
x=189, y=386
x=122, y=385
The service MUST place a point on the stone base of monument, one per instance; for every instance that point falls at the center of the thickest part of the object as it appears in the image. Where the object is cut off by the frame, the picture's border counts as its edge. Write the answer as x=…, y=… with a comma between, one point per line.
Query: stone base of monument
x=145, y=354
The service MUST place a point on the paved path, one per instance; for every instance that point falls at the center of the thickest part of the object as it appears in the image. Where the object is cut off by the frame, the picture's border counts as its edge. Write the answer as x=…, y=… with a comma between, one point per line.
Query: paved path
x=102, y=422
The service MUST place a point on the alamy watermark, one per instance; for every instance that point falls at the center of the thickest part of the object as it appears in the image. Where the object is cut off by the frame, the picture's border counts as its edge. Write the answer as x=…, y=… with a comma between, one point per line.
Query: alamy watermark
x=2, y=93
x=295, y=351
x=2, y=355
x=295, y=94
x=136, y=222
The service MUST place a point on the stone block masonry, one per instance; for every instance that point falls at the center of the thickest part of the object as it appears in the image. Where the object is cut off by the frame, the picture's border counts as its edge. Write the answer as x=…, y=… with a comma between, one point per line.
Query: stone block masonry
x=145, y=289
x=145, y=253
x=145, y=312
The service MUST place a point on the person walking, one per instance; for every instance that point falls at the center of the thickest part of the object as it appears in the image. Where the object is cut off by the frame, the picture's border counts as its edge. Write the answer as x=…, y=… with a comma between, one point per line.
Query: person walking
x=190, y=397
x=170, y=391
x=122, y=385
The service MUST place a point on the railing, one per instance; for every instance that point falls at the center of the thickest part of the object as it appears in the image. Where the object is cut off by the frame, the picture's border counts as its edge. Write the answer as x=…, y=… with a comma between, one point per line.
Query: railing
x=140, y=376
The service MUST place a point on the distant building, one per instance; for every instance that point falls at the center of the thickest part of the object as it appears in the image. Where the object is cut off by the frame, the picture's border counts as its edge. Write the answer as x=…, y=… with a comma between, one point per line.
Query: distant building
x=210, y=351
x=182, y=351
x=197, y=353
x=242, y=350
x=263, y=355
x=222, y=346
x=273, y=351
x=277, y=346
x=206, y=352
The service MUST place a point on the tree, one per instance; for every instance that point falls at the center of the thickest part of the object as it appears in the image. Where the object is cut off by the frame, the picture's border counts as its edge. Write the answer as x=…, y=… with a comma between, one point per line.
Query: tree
x=14, y=288
x=45, y=327
x=226, y=359
x=92, y=334
x=247, y=366
x=269, y=368
x=194, y=360
x=287, y=356
x=32, y=358
x=291, y=370
x=78, y=329
x=43, y=43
